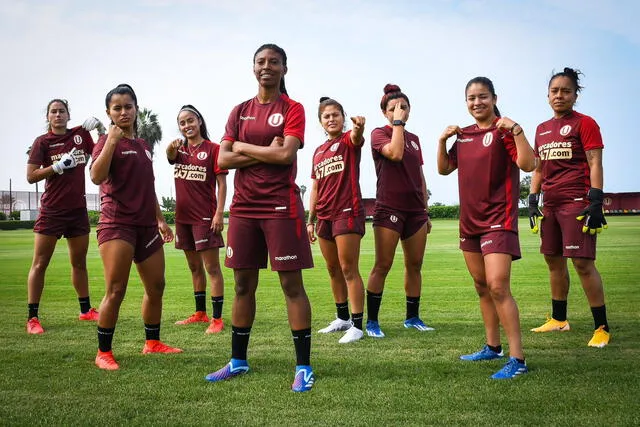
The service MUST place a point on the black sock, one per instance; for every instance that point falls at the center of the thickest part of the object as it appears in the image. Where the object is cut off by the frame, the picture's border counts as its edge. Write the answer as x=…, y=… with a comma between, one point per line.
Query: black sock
x=33, y=309
x=559, y=310
x=239, y=342
x=343, y=310
x=496, y=349
x=413, y=307
x=356, y=318
x=152, y=332
x=373, y=305
x=85, y=304
x=600, y=317
x=216, y=303
x=105, y=338
x=302, y=343
x=522, y=360
x=201, y=300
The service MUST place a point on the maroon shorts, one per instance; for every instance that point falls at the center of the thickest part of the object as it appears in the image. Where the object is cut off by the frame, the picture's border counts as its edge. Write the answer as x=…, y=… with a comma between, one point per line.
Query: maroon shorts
x=251, y=240
x=191, y=237
x=561, y=233
x=68, y=223
x=405, y=223
x=328, y=229
x=494, y=242
x=145, y=240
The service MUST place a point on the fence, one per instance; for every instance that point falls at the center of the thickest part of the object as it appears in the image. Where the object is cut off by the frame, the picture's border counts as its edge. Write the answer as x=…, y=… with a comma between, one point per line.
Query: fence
x=11, y=201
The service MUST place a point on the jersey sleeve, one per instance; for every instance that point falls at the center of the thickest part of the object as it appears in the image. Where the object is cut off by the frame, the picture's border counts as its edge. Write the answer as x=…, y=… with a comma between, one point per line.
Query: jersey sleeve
x=535, y=141
x=453, y=155
x=232, y=127
x=97, y=149
x=510, y=146
x=379, y=139
x=294, y=122
x=216, y=168
x=590, y=134
x=36, y=153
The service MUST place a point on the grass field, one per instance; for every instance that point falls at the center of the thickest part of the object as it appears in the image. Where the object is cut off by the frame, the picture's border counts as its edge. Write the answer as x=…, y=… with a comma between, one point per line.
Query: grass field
x=407, y=378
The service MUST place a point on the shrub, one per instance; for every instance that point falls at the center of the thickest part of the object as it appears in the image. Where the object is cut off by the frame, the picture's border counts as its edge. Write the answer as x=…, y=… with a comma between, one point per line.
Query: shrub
x=15, y=215
x=3, y=216
x=450, y=212
x=94, y=216
x=15, y=225
x=170, y=217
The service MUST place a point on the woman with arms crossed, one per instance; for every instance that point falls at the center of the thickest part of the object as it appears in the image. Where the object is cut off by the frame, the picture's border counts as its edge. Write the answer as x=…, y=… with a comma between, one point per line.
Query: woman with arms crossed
x=489, y=155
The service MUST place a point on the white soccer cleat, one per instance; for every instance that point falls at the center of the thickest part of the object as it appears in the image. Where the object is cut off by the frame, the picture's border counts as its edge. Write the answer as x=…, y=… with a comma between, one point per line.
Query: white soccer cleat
x=336, y=326
x=353, y=334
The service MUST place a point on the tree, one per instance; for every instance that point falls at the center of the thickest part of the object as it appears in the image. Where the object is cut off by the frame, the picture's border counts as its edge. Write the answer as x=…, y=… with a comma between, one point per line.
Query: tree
x=525, y=188
x=168, y=204
x=303, y=189
x=149, y=127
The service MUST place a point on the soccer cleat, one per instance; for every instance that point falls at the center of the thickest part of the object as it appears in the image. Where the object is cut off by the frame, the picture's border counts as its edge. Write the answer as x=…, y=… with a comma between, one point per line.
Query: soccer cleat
x=373, y=329
x=34, y=327
x=197, y=317
x=553, y=325
x=232, y=369
x=216, y=326
x=155, y=346
x=92, y=314
x=352, y=334
x=105, y=360
x=418, y=324
x=304, y=379
x=511, y=369
x=336, y=326
x=600, y=338
x=485, y=354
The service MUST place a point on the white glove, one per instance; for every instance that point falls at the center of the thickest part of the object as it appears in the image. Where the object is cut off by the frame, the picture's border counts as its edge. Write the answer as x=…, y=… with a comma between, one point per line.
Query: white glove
x=67, y=161
x=92, y=123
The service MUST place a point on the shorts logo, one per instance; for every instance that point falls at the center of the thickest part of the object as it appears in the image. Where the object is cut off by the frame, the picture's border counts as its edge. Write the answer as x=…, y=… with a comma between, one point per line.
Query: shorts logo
x=275, y=119
x=77, y=139
x=414, y=145
x=201, y=155
x=572, y=247
x=462, y=239
x=487, y=140
x=393, y=219
x=564, y=130
x=148, y=154
x=488, y=242
x=286, y=258
x=335, y=146
x=229, y=252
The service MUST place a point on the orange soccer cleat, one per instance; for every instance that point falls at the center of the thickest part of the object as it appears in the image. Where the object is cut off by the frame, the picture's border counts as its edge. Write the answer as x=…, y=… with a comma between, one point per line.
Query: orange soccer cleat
x=215, y=327
x=105, y=360
x=92, y=314
x=197, y=317
x=34, y=327
x=155, y=346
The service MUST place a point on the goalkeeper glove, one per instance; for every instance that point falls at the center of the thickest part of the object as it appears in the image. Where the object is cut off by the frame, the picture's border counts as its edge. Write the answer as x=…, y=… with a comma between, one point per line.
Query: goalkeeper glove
x=593, y=215
x=92, y=123
x=67, y=161
x=535, y=216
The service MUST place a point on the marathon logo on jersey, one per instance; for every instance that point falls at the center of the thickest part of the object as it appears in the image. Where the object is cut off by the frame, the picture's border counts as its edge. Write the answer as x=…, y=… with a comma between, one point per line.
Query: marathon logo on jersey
x=464, y=140
x=275, y=120
x=544, y=133
x=487, y=139
x=564, y=130
x=190, y=172
x=328, y=166
x=247, y=118
x=59, y=144
x=77, y=139
x=555, y=150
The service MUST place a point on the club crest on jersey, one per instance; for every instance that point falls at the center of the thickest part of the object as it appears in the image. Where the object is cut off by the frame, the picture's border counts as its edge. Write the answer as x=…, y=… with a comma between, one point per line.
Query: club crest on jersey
x=77, y=139
x=334, y=147
x=148, y=154
x=414, y=145
x=393, y=219
x=229, y=252
x=487, y=140
x=564, y=130
x=275, y=119
x=201, y=155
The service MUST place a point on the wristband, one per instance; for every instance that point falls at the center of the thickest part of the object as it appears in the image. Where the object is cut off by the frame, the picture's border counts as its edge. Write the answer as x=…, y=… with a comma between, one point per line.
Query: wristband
x=513, y=127
x=398, y=123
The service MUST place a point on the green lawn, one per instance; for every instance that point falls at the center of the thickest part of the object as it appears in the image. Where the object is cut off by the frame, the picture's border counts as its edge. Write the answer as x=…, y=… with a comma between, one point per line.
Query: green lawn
x=407, y=378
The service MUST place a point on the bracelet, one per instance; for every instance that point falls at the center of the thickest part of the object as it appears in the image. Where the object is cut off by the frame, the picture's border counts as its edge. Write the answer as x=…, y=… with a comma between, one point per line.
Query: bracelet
x=513, y=127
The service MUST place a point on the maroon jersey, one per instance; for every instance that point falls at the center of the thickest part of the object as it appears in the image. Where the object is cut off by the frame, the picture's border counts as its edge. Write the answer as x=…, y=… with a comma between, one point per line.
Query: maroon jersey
x=561, y=145
x=266, y=190
x=128, y=195
x=336, y=167
x=399, y=184
x=66, y=191
x=195, y=171
x=488, y=180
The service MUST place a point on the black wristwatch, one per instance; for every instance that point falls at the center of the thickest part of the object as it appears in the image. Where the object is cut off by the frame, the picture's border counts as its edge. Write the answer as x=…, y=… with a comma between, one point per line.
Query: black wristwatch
x=398, y=123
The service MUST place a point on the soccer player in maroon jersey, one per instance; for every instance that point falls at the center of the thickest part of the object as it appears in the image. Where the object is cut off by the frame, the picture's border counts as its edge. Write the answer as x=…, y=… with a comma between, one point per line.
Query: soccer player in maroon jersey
x=199, y=213
x=130, y=218
x=401, y=209
x=571, y=179
x=488, y=156
x=336, y=202
x=262, y=137
x=59, y=157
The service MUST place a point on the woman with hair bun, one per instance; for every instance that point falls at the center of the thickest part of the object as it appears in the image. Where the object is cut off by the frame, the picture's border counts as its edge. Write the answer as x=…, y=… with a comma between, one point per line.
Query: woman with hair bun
x=570, y=176
x=336, y=203
x=401, y=209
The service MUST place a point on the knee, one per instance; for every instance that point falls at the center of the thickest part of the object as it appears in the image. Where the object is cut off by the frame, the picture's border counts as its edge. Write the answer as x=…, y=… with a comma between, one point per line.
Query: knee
x=80, y=265
x=584, y=267
x=243, y=288
x=481, y=287
x=194, y=267
x=40, y=264
x=115, y=293
x=213, y=269
x=334, y=270
x=292, y=288
x=382, y=267
x=350, y=271
x=413, y=267
x=499, y=291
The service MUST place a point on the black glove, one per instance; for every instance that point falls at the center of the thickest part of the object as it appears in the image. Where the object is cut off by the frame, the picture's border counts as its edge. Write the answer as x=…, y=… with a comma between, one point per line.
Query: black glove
x=535, y=216
x=593, y=215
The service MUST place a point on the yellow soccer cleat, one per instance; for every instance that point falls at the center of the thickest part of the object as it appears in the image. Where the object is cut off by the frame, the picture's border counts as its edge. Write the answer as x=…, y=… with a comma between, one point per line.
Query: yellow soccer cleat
x=600, y=338
x=553, y=325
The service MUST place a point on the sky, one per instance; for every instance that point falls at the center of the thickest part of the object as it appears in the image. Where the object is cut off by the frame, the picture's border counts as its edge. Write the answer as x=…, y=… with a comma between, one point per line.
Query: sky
x=200, y=52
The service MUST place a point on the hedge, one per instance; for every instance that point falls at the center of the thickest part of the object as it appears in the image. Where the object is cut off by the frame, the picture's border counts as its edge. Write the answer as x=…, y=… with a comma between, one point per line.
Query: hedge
x=15, y=225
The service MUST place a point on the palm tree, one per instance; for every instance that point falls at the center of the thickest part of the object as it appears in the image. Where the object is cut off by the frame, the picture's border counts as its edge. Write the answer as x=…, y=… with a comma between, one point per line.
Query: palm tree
x=149, y=127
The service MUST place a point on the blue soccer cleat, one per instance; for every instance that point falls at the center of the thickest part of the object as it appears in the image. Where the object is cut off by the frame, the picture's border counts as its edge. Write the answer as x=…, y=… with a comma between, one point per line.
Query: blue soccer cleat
x=304, y=379
x=511, y=369
x=232, y=369
x=485, y=354
x=373, y=329
x=418, y=324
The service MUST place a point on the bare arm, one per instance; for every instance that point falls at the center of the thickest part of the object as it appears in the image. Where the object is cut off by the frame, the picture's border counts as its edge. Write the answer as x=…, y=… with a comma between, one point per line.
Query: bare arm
x=172, y=149
x=313, y=199
x=426, y=200
x=218, y=218
x=526, y=160
x=163, y=227
x=358, y=130
x=35, y=173
x=277, y=153
x=445, y=167
x=394, y=150
x=101, y=165
x=596, y=173
x=228, y=159
x=536, y=180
